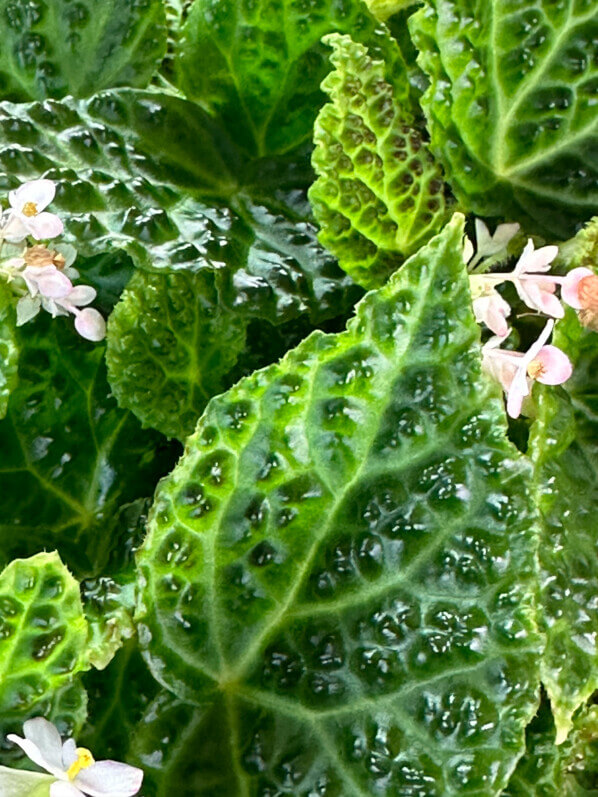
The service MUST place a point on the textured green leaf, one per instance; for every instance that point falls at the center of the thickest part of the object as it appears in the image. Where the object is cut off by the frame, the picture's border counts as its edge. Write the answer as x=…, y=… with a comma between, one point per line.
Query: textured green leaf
x=51, y=48
x=43, y=644
x=70, y=458
x=512, y=106
x=9, y=353
x=379, y=194
x=340, y=570
x=383, y=9
x=258, y=66
x=564, y=448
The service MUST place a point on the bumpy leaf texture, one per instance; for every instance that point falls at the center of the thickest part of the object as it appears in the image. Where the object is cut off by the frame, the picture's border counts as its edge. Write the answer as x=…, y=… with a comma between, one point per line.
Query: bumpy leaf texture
x=43, y=641
x=258, y=66
x=51, y=48
x=564, y=447
x=9, y=352
x=512, y=106
x=340, y=570
x=71, y=459
x=379, y=193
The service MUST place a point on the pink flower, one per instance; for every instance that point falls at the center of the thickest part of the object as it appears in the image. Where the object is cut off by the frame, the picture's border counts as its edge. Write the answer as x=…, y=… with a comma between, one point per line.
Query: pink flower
x=534, y=289
x=516, y=371
x=571, y=285
x=488, y=305
x=88, y=322
x=27, y=216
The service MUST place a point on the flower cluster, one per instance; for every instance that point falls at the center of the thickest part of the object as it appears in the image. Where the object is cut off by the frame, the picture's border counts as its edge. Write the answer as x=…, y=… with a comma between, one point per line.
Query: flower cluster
x=73, y=771
x=516, y=371
x=42, y=277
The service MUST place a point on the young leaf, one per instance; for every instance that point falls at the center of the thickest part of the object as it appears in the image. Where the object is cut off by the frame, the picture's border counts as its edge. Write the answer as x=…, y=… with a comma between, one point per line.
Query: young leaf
x=70, y=457
x=564, y=449
x=341, y=569
x=258, y=67
x=379, y=193
x=512, y=106
x=57, y=47
x=43, y=643
x=9, y=353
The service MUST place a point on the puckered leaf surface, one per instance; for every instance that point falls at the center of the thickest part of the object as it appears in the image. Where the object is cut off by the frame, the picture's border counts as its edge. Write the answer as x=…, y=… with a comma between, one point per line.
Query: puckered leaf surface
x=43, y=644
x=51, y=48
x=379, y=193
x=512, y=106
x=9, y=352
x=564, y=446
x=258, y=66
x=340, y=570
x=71, y=459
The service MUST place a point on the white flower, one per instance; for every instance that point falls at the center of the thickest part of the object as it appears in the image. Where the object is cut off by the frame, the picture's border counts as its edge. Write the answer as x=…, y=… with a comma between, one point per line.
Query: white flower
x=73, y=769
x=534, y=289
x=488, y=305
x=488, y=245
x=88, y=322
x=27, y=215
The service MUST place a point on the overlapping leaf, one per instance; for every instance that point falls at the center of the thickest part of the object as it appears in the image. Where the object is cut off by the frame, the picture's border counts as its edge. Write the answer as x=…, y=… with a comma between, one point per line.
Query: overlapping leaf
x=43, y=644
x=379, y=193
x=51, y=48
x=512, y=106
x=564, y=446
x=341, y=569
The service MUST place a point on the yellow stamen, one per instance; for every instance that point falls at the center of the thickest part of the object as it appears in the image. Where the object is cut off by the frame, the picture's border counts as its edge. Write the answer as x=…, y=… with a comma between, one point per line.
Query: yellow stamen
x=536, y=369
x=84, y=760
x=30, y=209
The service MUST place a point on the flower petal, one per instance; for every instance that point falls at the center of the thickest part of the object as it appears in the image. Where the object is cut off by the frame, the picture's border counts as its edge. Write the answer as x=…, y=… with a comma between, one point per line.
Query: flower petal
x=535, y=260
x=82, y=295
x=41, y=192
x=69, y=753
x=557, y=366
x=90, y=325
x=27, y=308
x=52, y=283
x=538, y=294
x=492, y=310
x=535, y=347
x=517, y=392
x=570, y=286
x=110, y=778
x=14, y=231
x=61, y=788
x=45, y=225
x=42, y=744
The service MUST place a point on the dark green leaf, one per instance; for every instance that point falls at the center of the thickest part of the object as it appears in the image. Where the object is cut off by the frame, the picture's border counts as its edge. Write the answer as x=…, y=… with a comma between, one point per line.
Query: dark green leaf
x=9, y=353
x=341, y=569
x=512, y=106
x=51, y=48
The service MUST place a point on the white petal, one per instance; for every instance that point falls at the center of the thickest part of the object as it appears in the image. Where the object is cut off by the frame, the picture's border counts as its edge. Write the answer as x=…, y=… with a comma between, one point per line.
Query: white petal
x=110, y=778
x=41, y=192
x=45, y=225
x=482, y=235
x=42, y=744
x=504, y=233
x=69, y=753
x=53, y=284
x=90, y=325
x=63, y=788
x=27, y=308
x=19, y=783
x=82, y=295
x=535, y=348
x=468, y=250
x=14, y=230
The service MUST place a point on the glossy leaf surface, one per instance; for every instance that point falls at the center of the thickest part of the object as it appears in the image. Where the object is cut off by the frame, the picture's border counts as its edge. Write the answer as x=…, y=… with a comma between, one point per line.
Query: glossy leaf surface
x=51, y=48
x=340, y=570
x=564, y=446
x=512, y=106
x=379, y=193
x=43, y=644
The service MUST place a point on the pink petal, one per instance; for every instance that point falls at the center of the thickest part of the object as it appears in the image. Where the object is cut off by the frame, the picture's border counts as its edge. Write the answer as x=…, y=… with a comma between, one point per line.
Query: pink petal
x=557, y=366
x=90, y=325
x=110, y=779
x=82, y=295
x=42, y=744
x=41, y=192
x=534, y=260
x=62, y=788
x=570, y=286
x=517, y=392
x=45, y=225
x=539, y=295
x=53, y=284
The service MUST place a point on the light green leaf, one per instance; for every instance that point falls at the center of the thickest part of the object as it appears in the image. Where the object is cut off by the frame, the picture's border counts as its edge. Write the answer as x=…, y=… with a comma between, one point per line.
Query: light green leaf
x=341, y=568
x=9, y=352
x=43, y=644
x=512, y=106
x=57, y=47
x=379, y=193
x=383, y=9
x=564, y=448
x=258, y=66
x=18, y=783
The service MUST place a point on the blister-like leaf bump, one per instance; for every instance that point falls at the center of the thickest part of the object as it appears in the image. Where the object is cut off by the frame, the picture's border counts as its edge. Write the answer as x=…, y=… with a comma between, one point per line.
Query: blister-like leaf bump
x=51, y=48
x=341, y=568
x=564, y=446
x=43, y=644
x=512, y=106
x=379, y=193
